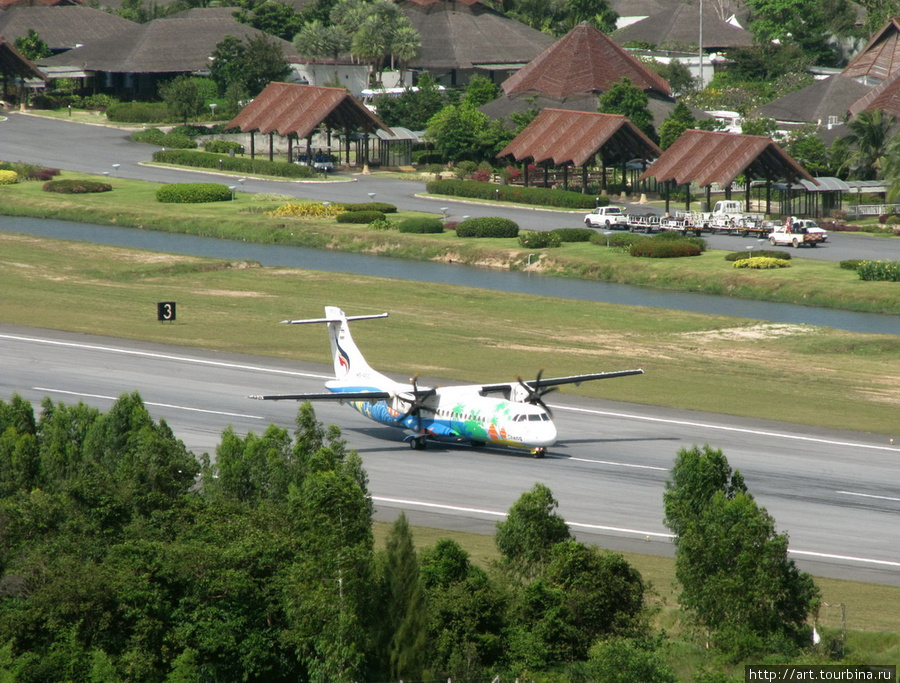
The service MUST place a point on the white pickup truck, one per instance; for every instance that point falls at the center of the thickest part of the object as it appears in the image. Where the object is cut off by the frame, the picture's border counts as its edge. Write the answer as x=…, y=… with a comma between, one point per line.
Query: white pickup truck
x=795, y=233
x=607, y=217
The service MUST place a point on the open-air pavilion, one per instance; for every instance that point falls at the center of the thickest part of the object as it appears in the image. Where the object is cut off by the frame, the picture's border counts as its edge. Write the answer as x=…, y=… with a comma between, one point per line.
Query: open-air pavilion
x=715, y=158
x=561, y=138
x=297, y=111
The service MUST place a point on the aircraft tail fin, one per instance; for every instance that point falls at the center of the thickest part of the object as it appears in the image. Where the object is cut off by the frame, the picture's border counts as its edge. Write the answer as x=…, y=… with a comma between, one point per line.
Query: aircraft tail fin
x=348, y=359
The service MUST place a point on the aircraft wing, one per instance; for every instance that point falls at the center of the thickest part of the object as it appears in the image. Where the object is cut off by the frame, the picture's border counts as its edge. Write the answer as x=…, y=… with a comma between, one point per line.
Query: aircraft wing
x=328, y=396
x=556, y=381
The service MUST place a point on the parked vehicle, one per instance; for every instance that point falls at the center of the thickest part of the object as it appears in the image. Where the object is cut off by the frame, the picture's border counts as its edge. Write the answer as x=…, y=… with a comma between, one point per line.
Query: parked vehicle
x=607, y=217
x=811, y=227
x=795, y=234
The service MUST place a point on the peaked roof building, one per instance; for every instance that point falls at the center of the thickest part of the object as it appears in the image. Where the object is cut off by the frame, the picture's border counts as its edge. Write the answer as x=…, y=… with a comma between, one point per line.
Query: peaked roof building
x=61, y=27
x=680, y=25
x=572, y=72
x=824, y=102
x=879, y=58
x=884, y=96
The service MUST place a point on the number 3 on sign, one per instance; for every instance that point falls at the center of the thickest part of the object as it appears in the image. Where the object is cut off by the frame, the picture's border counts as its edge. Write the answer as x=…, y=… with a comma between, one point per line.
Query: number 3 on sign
x=165, y=311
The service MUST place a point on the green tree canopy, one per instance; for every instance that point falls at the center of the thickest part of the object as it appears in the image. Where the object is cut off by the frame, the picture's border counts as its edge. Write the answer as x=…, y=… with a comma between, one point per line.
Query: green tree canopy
x=461, y=132
x=251, y=64
x=530, y=531
x=680, y=120
x=32, y=46
x=183, y=97
x=626, y=99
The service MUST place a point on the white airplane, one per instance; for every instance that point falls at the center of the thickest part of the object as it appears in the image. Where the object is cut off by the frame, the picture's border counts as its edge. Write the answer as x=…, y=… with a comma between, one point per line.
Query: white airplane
x=510, y=414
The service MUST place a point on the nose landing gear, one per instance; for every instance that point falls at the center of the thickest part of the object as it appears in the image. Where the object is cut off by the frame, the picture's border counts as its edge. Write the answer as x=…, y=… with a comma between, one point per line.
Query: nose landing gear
x=539, y=452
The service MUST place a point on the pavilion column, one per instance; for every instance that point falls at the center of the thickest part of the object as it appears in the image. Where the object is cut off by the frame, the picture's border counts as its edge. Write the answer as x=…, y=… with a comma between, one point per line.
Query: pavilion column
x=584, y=178
x=624, y=177
x=347, y=150
x=271, y=146
x=309, y=150
x=728, y=191
x=768, y=195
x=709, y=197
x=565, y=176
x=525, y=174
x=667, y=189
x=687, y=197
x=290, y=148
x=546, y=175
x=747, y=196
x=252, y=144
x=603, y=174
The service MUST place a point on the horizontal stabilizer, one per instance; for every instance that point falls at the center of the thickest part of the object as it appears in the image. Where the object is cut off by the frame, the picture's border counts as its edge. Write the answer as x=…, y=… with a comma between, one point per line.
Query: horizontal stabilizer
x=330, y=396
x=333, y=320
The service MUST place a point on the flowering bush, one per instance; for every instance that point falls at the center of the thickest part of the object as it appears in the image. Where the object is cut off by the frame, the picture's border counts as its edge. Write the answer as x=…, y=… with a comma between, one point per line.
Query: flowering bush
x=539, y=240
x=762, y=263
x=884, y=271
x=8, y=177
x=306, y=210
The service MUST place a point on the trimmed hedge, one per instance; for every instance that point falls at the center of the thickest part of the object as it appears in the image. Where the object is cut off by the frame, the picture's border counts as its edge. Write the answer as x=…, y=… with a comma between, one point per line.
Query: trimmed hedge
x=651, y=248
x=761, y=263
x=75, y=186
x=488, y=227
x=360, y=217
x=384, y=207
x=280, y=169
x=763, y=253
x=223, y=147
x=574, y=234
x=193, y=193
x=541, y=196
x=539, y=240
x=617, y=239
x=421, y=225
x=154, y=136
x=673, y=236
x=8, y=177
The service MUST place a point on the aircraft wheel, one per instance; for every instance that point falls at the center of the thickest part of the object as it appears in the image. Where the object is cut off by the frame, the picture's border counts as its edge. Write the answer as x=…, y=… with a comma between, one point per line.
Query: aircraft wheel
x=418, y=443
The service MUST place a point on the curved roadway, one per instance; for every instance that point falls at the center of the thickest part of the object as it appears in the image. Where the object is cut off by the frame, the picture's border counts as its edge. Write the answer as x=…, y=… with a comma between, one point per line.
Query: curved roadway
x=835, y=493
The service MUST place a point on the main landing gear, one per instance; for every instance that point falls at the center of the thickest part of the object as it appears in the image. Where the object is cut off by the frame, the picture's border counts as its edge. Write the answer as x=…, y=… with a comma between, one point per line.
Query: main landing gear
x=417, y=443
x=539, y=452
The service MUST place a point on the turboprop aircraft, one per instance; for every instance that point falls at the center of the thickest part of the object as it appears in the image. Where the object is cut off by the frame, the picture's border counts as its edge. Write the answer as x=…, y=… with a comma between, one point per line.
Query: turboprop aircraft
x=509, y=414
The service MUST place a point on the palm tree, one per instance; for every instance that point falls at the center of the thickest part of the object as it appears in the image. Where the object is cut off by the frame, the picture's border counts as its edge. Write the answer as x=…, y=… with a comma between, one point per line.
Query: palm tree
x=870, y=133
x=405, y=44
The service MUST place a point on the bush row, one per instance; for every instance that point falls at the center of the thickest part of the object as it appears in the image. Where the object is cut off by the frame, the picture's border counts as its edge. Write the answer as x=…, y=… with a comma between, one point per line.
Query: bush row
x=223, y=147
x=154, y=136
x=29, y=171
x=652, y=248
x=76, y=186
x=234, y=164
x=539, y=240
x=306, y=210
x=384, y=207
x=487, y=227
x=617, y=239
x=193, y=193
x=761, y=262
x=884, y=271
x=522, y=195
x=138, y=112
x=574, y=234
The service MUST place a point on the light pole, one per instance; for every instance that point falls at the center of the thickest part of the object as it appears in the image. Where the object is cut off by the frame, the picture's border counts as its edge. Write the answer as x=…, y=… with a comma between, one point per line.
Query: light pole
x=116, y=168
x=232, y=188
x=212, y=109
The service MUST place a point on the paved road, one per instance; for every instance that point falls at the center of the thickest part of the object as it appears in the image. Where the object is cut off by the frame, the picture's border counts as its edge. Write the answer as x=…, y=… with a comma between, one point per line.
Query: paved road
x=95, y=149
x=835, y=493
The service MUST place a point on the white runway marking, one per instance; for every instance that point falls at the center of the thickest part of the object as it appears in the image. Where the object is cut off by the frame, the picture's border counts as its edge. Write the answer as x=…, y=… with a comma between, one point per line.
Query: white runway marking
x=148, y=403
x=868, y=495
x=624, y=530
x=616, y=464
x=164, y=356
x=724, y=428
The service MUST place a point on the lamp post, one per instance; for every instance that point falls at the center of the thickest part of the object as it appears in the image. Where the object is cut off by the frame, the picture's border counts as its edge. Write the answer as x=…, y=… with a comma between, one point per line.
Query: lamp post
x=242, y=181
x=371, y=196
x=116, y=168
x=444, y=211
x=232, y=188
x=212, y=109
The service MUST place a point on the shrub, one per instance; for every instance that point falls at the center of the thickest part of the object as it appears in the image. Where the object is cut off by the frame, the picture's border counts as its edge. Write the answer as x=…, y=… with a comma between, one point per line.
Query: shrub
x=653, y=248
x=138, y=112
x=223, y=147
x=851, y=264
x=193, y=130
x=893, y=219
x=539, y=240
x=154, y=136
x=384, y=207
x=29, y=171
x=384, y=224
x=487, y=227
x=617, y=239
x=94, y=102
x=421, y=225
x=76, y=186
x=425, y=157
x=464, y=168
x=306, y=210
x=884, y=271
x=574, y=234
x=193, y=193
x=674, y=236
x=513, y=193
x=43, y=174
x=360, y=217
x=244, y=165
x=741, y=255
x=761, y=263
x=8, y=177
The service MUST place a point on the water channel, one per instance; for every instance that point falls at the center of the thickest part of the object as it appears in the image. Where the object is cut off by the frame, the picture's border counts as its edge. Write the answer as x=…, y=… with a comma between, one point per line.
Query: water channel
x=460, y=275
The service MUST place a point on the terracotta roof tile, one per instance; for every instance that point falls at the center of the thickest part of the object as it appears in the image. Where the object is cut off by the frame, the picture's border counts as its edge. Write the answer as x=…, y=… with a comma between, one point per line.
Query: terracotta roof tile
x=706, y=157
x=880, y=57
x=286, y=108
x=562, y=136
x=583, y=60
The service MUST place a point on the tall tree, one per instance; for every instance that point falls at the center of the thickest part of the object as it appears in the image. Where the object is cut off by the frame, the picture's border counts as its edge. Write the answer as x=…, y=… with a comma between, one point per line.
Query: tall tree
x=531, y=529
x=252, y=63
x=627, y=99
x=737, y=580
x=32, y=46
x=182, y=97
x=870, y=135
x=675, y=124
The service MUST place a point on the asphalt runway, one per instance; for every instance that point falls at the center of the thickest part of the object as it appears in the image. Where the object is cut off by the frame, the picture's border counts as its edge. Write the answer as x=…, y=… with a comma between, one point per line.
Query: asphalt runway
x=835, y=493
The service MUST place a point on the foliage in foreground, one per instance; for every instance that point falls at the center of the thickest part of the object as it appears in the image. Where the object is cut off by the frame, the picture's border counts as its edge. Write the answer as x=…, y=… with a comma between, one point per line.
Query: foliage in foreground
x=885, y=271
x=193, y=193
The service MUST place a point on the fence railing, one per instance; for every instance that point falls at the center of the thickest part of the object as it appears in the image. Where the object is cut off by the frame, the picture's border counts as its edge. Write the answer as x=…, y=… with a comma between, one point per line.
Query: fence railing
x=872, y=209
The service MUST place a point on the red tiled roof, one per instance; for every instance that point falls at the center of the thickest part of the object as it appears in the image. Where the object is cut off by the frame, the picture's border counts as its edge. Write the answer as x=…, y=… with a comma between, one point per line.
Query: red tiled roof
x=285, y=108
x=881, y=57
x=708, y=157
x=583, y=60
x=563, y=136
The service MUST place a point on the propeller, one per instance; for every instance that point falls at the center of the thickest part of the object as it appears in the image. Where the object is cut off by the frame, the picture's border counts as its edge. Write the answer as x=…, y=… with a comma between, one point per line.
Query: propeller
x=536, y=392
x=419, y=396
